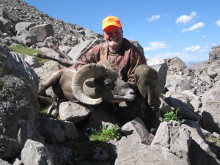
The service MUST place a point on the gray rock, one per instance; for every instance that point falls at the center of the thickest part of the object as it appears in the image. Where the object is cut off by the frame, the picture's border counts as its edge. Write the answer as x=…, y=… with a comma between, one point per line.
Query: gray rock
x=50, y=129
x=60, y=154
x=73, y=112
x=6, y=26
x=26, y=38
x=130, y=152
x=78, y=50
x=210, y=109
x=177, y=83
x=186, y=141
x=20, y=26
x=214, y=54
x=100, y=117
x=42, y=31
x=32, y=61
x=18, y=104
x=176, y=64
x=199, y=152
x=8, y=15
x=2, y=162
x=137, y=130
x=136, y=43
x=161, y=67
x=36, y=153
x=180, y=102
x=47, y=70
x=49, y=52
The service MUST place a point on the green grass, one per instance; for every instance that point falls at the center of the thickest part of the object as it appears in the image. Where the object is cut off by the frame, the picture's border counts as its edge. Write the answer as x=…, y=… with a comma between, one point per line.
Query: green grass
x=24, y=50
x=216, y=141
x=172, y=115
x=105, y=134
x=43, y=112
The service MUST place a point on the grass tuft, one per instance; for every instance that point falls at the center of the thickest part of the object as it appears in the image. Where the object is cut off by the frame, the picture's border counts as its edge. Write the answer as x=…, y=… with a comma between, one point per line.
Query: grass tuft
x=105, y=134
x=172, y=115
x=24, y=50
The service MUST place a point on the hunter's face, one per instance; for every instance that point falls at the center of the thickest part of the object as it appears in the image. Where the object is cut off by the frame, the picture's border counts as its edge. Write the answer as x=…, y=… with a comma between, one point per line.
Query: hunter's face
x=113, y=37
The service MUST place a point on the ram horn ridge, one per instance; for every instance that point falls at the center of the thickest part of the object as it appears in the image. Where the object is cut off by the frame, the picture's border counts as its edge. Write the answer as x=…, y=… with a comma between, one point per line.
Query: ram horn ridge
x=88, y=71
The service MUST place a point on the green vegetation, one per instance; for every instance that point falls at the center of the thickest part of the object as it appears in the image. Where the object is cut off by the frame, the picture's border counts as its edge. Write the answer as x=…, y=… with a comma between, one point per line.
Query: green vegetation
x=105, y=134
x=43, y=112
x=172, y=115
x=24, y=50
x=215, y=141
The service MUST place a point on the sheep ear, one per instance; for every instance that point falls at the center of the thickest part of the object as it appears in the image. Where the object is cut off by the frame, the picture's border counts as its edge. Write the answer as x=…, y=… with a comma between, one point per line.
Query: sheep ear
x=90, y=83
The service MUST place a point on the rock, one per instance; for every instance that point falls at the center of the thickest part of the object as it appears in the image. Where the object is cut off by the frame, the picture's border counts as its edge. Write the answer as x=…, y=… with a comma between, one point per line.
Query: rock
x=140, y=48
x=175, y=138
x=176, y=64
x=78, y=50
x=6, y=26
x=136, y=130
x=26, y=38
x=56, y=131
x=210, y=109
x=161, y=67
x=130, y=153
x=60, y=154
x=2, y=162
x=47, y=70
x=177, y=83
x=100, y=117
x=8, y=15
x=214, y=54
x=73, y=112
x=23, y=26
x=30, y=60
x=199, y=152
x=42, y=31
x=36, y=153
x=179, y=102
x=18, y=104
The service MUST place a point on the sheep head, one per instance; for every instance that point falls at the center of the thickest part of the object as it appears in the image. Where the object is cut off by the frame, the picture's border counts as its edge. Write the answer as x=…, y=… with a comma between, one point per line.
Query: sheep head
x=104, y=83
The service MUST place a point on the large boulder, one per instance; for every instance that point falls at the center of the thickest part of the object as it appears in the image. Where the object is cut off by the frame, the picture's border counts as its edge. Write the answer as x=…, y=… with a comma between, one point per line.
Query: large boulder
x=6, y=26
x=210, y=109
x=36, y=153
x=18, y=104
x=42, y=31
x=161, y=67
x=78, y=50
x=55, y=131
x=176, y=64
x=8, y=15
x=23, y=26
x=214, y=54
x=186, y=141
x=177, y=83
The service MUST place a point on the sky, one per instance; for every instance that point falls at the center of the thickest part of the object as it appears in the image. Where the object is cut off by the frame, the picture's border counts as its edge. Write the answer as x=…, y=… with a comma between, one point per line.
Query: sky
x=187, y=29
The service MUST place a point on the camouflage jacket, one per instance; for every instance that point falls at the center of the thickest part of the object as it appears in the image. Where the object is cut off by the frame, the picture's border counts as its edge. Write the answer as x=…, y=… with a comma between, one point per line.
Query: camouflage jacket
x=126, y=59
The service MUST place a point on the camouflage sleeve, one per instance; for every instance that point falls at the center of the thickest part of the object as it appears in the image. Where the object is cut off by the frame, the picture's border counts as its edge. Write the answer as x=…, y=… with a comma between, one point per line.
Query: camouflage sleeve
x=136, y=60
x=87, y=58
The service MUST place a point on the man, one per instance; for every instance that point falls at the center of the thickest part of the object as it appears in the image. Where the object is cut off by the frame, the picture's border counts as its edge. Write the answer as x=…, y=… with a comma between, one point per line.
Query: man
x=130, y=63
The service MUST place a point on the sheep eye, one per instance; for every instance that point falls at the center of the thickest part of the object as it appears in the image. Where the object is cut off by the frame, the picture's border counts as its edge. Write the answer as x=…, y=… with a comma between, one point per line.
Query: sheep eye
x=109, y=85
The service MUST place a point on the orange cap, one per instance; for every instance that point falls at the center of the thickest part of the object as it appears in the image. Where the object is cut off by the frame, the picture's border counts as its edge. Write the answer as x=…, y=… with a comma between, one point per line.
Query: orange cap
x=111, y=21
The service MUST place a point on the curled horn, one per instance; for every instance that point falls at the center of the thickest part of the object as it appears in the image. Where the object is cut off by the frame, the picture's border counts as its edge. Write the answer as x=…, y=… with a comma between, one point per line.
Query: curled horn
x=84, y=73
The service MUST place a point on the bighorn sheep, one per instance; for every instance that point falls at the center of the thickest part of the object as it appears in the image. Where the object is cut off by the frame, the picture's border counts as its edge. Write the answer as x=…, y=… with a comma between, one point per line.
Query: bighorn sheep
x=91, y=84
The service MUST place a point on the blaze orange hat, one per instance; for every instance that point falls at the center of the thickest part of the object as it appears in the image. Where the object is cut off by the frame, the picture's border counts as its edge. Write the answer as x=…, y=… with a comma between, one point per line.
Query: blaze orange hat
x=110, y=21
